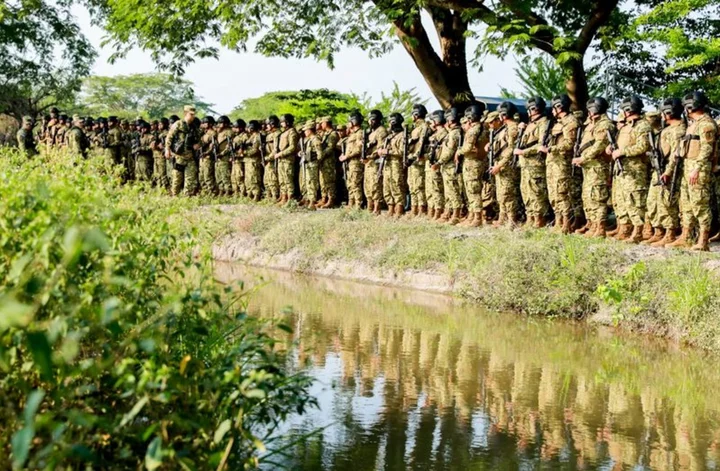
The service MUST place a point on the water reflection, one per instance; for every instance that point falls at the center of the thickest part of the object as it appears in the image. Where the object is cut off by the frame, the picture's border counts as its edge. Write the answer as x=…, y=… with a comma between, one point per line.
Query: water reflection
x=408, y=380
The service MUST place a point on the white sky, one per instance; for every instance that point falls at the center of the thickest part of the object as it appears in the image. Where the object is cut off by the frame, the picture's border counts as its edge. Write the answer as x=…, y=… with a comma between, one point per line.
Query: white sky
x=233, y=77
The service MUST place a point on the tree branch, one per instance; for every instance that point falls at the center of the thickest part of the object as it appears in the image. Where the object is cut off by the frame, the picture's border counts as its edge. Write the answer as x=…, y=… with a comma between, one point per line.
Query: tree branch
x=599, y=17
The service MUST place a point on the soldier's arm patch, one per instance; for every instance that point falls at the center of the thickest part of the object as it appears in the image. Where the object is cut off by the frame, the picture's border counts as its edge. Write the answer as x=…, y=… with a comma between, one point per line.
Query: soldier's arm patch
x=709, y=135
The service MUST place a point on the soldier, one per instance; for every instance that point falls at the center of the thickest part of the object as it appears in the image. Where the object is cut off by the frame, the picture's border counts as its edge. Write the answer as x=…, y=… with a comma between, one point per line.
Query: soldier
x=595, y=167
x=417, y=158
x=169, y=161
x=286, y=153
x=372, y=179
x=433, y=175
x=77, y=141
x=507, y=177
x=52, y=128
x=446, y=164
x=223, y=163
x=341, y=189
x=272, y=139
x=237, y=175
x=208, y=150
x=533, y=170
x=61, y=129
x=160, y=174
x=350, y=157
x=391, y=155
x=125, y=150
x=144, y=153
x=328, y=160
x=630, y=162
x=698, y=154
x=309, y=155
x=181, y=144
x=25, y=139
x=252, y=160
x=475, y=163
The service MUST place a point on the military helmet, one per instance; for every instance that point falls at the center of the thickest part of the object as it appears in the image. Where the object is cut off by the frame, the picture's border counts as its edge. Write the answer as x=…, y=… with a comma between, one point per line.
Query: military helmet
x=208, y=120
x=475, y=112
x=396, y=120
x=144, y=125
x=419, y=111
x=438, y=117
x=174, y=118
x=695, y=101
x=563, y=102
x=223, y=120
x=273, y=121
x=632, y=104
x=63, y=117
x=376, y=115
x=239, y=123
x=253, y=125
x=597, y=106
x=507, y=109
x=54, y=111
x=355, y=118
x=288, y=119
x=102, y=120
x=164, y=121
x=452, y=115
x=536, y=103
x=673, y=107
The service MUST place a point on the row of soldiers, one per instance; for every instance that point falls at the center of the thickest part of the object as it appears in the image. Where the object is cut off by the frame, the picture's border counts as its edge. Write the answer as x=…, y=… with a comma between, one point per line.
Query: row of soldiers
x=654, y=169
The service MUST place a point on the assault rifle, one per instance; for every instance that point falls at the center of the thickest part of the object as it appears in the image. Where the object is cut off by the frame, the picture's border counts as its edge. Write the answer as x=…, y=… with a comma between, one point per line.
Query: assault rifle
x=548, y=133
x=656, y=158
x=459, y=158
x=617, y=166
x=679, y=159
x=344, y=164
x=491, y=155
x=432, y=158
x=277, y=149
x=518, y=145
x=104, y=137
x=214, y=147
x=381, y=167
x=406, y=162
x=135, y=145
x=262, y=149
x=577, y=150
x=424, y=142
x=363, y=150
x=303, y=161
x=231, y=146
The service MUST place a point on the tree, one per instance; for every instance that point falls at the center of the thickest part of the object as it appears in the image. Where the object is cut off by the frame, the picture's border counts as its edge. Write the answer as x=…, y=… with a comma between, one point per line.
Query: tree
x=541, y=76
x=43, y=58
x=186, y=29
x=398, y=101
x=127, y=96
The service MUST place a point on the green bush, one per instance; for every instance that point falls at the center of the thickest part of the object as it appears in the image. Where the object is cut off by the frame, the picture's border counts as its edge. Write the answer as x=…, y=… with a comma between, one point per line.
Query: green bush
x=117, y=348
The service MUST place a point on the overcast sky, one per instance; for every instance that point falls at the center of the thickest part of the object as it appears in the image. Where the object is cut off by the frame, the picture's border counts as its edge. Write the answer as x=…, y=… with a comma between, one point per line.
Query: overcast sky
x=233, y=77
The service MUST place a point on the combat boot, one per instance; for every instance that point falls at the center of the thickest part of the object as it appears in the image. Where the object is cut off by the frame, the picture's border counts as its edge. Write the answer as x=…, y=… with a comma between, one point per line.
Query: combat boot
x=557, y=226
x=625, y=231
x=455, y=219
x=391, y=210
x=668, y=239
x=647, y=231
x=529, y=222
x=658, y=235
x=445, y=216
x=566, y=226
x=376, y=210
x=470, y=221
x=477, y=220
x=371, y=206
x=540, y=222
x=399, y=210
x=311, y=206
x=715, y=238
x=578, y=222
x=681, y=242
x=637, y=235
x=600, y=229
x=500, y=221
x=422, y=211
x=703, y=243
x=591, y=226
x=614, y=232
x=585, y=229
x=413, y=212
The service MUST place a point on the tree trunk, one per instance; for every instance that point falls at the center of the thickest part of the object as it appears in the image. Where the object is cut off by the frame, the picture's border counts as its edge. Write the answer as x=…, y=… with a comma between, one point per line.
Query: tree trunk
x=577, y=86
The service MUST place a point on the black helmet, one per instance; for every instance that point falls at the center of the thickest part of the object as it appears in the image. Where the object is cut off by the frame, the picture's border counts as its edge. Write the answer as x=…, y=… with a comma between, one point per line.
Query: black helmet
x=536, y=103
x=208, y=120
x=438, y=117
x=563, y=102
x=224, y=120
x=239, y=123
x=632, y=105
x=273, y=121
x=355, y=118
x=165, y=122
x=673, y=107
x=288, y=119
x=174, y=118
x=54, y=111
x=253, y=125
x=419, y=111
x=475, y=112
x=695, y=101
x=144, y=125
x=63, y=117
x=376, y=117
x=452, y=115
x=597, y=106
x=396, y=120
x=507, y=108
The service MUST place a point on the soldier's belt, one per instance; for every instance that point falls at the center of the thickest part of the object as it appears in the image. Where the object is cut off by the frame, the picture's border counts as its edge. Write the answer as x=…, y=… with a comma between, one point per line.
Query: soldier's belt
x=691, y=137
x=587, y=145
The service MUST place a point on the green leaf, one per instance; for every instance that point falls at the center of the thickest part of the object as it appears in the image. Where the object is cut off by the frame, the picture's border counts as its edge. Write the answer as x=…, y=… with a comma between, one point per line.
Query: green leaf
x=134, y=411
x=153, y=456
x=21, y=441
x=41, y=353
x=14, y=313
x=222, y=429
x=31, y=406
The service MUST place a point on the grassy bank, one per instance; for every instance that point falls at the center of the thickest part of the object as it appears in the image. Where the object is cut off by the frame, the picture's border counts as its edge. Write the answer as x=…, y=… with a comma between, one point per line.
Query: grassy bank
x=670, y=293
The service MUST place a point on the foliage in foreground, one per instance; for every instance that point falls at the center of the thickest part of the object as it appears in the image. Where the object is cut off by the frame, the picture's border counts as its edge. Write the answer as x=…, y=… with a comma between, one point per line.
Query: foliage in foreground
x=117, y=349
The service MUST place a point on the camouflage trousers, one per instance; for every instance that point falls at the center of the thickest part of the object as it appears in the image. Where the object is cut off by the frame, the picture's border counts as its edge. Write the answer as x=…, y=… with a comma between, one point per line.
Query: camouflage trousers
x=489, y=194
x=508, y=192
x=270, y=180
x=695, y=199
x=207, y=175
x=252, y=176
x=393, y=182
x=632, y=195
x=160, y=176
x=328, y=179
x=286, y=177
x=473, y=178
x=661, y=212
x=128, y=160
x=185, y=179
x=223, y=172
x=533, y=188
x=434, y=188
x=595, y=193
x=237, y=177
x=169, y=172
x=372, y=182
x=578, y=211
x=559, y=185
x=451, y=187
x=143, y=168
x=310, y=181
x=355, y=171
x=416, y=184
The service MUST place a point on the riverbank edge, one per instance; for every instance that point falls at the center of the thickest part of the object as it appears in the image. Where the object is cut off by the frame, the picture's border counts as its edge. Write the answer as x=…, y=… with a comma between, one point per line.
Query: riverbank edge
x=669, y=294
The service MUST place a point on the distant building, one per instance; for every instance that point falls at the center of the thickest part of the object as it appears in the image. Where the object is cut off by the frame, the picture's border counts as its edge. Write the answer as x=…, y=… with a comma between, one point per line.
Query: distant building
x=491, y=103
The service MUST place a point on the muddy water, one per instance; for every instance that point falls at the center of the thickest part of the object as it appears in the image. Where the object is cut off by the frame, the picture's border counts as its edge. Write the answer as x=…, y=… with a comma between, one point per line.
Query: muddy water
x=407, y=380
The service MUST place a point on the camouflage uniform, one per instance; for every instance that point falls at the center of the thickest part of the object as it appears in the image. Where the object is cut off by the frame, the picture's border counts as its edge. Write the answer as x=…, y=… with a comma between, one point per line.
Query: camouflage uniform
x=309, y=169
x=160, y=170
x=26, y=141
x=475, y=165
x=251, y=163
x=77, y=141
x=417, y=153
x=185, y=169
x=144, y=160
x=393, y=172
x=508, y=180
x=207, y=162
x=446, y=160
x=433, y=178
x=223, y=164
x=328, y=183
x=699, y=145
x=596, y=169
x=633, y=142
x=355, y=170
x=272, y=185
x=533, y=171
x=113, y=153
x=661, y=212
x=237, y=173
x=287, y=153
x=559, y=169
x=372, y=183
